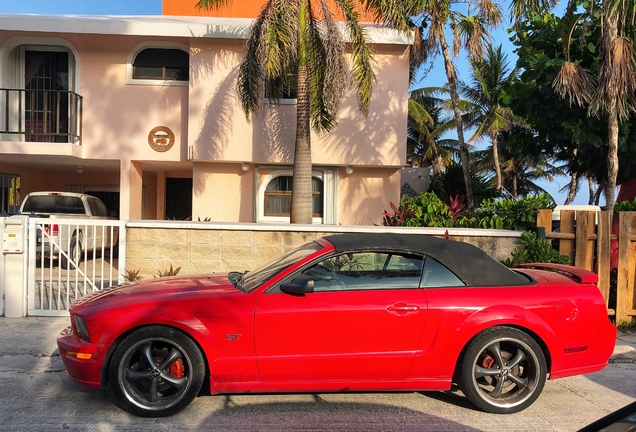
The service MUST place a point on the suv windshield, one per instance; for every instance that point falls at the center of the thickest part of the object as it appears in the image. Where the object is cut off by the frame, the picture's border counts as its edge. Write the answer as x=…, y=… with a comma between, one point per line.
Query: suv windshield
x=254, y=279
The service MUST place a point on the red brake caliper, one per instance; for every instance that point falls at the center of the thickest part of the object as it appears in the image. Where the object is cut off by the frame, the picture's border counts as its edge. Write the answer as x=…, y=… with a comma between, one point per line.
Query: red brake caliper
x=176, y=369
x=488, y=362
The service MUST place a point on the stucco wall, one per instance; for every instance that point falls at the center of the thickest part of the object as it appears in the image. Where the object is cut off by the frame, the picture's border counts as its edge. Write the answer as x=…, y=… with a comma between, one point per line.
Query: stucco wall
x=205, y=247
x=219, y=130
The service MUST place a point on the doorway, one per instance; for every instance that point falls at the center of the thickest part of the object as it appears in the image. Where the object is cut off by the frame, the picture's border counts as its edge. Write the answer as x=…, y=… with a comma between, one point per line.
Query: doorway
x=178, y=198
x=46, y=83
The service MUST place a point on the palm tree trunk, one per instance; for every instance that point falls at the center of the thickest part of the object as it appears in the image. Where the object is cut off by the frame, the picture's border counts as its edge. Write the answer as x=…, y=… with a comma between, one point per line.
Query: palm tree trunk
x=463, y=148
x=611, y=33
x=612, y=158
x=438, y=165
x=302, y=200
x=572, y=190
x=590, y=185
x=597, y=195
x=495, y=159
x=514, y=186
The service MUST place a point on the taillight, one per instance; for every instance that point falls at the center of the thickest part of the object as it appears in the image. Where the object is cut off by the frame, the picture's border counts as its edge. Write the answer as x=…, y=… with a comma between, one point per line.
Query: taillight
x=52, y=230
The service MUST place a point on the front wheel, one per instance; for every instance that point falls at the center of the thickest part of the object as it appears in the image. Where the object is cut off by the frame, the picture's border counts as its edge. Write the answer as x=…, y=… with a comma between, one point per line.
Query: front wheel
x=156, y=371
x=503, y=370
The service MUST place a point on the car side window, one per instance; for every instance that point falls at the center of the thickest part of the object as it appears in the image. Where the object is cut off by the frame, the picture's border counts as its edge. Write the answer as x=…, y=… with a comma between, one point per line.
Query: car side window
x=437, y=275
x=366, y=271
x=97, y=207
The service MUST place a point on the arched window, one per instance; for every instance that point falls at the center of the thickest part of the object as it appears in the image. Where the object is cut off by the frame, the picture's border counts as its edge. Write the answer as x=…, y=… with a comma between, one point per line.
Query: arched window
x=278, y=193
x=161, y=64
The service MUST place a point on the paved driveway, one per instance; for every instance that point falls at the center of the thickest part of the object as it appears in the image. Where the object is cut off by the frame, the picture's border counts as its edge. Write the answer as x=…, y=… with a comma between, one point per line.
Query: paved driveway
x=36, y=395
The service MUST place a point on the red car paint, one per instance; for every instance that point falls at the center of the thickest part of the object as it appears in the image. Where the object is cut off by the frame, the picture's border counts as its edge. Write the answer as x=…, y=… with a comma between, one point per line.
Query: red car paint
x=398, y=339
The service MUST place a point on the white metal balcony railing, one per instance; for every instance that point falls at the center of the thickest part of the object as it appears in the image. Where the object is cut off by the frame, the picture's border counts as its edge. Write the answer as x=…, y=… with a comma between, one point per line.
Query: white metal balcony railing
x=40, y=116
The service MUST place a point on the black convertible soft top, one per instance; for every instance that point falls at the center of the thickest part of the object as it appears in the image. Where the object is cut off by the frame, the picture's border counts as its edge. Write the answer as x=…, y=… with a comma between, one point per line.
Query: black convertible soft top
x=468, y=262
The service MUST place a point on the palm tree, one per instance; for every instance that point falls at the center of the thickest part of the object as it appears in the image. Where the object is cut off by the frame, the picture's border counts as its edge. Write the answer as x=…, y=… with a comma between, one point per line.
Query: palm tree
x=426, y=127
x=520, y=169
x=297, y=44
x=489, y=76
x=574, y=185
x=613, y=91
x=430, y=19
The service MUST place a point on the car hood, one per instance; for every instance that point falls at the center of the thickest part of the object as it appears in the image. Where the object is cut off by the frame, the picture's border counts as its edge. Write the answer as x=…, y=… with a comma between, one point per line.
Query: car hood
x=216, y=283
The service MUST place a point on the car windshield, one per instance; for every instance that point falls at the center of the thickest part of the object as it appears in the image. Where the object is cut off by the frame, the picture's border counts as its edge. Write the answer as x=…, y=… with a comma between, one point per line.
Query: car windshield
x=255, y=278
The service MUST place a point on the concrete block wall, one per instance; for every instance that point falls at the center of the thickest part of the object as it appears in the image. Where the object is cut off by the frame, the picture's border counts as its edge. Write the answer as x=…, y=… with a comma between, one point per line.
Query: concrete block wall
x=200, y=247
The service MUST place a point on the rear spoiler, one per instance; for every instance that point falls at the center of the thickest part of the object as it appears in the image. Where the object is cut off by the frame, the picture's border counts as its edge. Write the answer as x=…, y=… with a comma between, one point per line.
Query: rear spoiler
x=583, y=275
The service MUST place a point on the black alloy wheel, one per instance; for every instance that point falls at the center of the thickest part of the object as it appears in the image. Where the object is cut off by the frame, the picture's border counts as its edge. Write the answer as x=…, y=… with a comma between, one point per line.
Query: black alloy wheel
x=156, y=371
x=503, y=370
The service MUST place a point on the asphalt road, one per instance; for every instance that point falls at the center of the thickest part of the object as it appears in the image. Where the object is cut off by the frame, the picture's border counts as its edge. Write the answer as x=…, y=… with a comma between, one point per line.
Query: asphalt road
x=36, y=395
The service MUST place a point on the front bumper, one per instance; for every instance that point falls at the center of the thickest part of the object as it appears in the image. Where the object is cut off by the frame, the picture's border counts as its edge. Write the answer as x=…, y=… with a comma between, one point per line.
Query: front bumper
x=83, y=360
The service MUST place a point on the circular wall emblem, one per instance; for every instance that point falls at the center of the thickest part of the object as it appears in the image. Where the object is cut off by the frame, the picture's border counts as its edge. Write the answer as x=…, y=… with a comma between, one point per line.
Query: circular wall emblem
x=161, y=139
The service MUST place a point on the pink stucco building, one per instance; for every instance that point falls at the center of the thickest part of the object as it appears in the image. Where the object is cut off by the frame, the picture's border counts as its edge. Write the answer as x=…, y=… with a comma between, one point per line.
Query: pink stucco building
x=143, y=112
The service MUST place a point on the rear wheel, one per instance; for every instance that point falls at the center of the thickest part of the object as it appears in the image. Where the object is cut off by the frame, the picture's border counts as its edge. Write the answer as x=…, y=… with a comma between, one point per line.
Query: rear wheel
x=503, y=370
x=156, y=371
x=75, y=254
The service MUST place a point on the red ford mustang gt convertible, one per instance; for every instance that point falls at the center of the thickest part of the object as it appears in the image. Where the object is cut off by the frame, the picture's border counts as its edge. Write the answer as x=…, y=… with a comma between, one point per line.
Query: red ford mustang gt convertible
x=351, y=312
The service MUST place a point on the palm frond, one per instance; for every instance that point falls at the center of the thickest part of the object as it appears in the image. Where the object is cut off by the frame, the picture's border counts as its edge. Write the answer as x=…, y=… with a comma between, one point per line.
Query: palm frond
x=617, y=80
x=250, y=82
x=574, y=83
x=212, y=4
x=362, y=75
x=474, y=35
x=327, y=68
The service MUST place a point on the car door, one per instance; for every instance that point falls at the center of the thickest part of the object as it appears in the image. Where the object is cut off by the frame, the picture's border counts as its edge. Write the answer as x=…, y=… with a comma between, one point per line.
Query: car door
x=362, y=322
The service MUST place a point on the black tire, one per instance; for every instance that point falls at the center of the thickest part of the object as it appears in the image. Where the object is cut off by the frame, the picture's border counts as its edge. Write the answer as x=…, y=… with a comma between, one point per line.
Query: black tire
x=156, y=371
x=503, y=370
x=75, y=252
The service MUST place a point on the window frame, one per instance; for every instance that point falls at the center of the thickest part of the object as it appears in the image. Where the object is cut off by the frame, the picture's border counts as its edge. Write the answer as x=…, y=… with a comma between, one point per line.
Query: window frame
x=130, y=80
x=282, y=101
x=275, y=289
x=261, y=217
x=423, y=282
x=286, y=193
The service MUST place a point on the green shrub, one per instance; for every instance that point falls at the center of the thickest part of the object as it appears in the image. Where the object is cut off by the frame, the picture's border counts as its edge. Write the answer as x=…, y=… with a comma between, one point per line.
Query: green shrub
x=132, y=275
x=167, y=273
x=625, y=206
x=518, y=215
x=428, y=211
x=535, y=250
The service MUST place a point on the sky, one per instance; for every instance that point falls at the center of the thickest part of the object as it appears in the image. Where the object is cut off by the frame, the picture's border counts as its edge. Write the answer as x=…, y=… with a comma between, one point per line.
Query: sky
x=436, y=76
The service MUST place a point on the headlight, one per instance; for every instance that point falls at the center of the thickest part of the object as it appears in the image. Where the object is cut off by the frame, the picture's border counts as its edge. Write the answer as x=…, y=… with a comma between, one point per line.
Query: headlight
x=79, y=326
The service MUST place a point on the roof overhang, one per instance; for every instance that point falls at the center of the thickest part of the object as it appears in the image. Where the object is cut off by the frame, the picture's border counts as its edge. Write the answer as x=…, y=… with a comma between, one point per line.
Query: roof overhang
x=162, y=25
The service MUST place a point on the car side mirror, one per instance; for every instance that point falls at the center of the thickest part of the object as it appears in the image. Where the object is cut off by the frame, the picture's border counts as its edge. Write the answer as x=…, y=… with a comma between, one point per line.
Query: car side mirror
x=299, y=285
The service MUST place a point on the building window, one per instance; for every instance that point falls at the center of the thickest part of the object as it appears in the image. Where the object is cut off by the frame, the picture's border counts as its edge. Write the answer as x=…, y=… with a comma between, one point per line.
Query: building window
x=161, y=64
x=278, y=194
x=274, y=192
x=281, y=92
x=158, y=63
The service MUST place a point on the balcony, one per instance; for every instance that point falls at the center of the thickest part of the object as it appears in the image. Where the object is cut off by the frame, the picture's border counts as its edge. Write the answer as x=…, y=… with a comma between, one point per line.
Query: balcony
x=53, y=116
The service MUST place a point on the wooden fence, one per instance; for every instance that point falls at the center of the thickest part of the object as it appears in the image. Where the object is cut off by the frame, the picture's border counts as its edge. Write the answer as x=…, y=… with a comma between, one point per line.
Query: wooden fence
x=586, y=236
